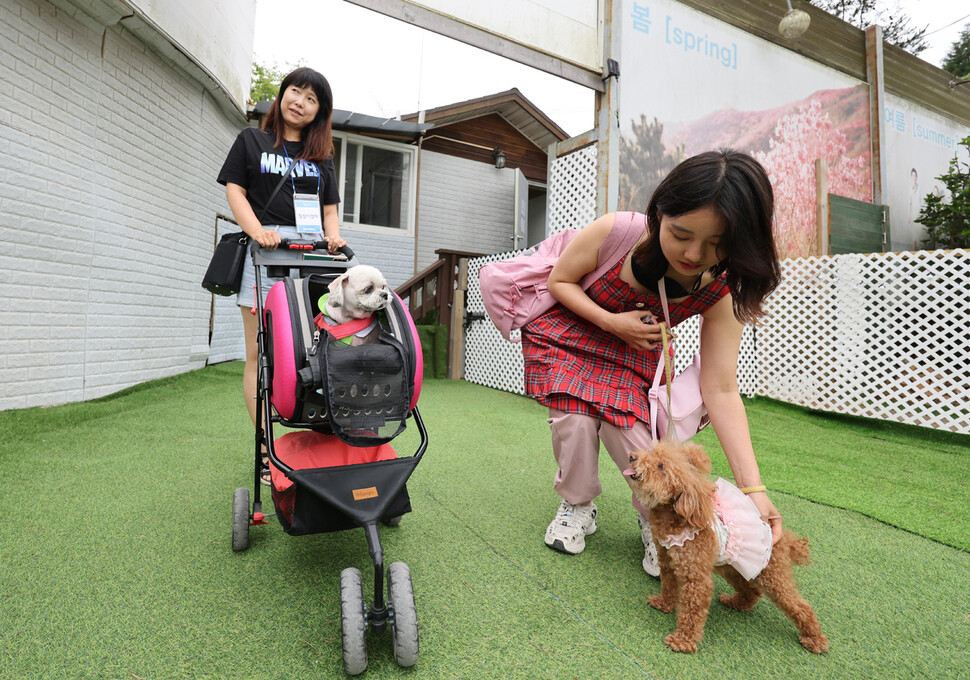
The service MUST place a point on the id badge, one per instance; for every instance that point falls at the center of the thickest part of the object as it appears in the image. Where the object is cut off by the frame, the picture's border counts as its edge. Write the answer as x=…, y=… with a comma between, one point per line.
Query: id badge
x=307, y=209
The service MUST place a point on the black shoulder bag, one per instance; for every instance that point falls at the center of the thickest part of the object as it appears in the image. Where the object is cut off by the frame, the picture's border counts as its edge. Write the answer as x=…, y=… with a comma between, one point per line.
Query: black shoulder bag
x=225, y=270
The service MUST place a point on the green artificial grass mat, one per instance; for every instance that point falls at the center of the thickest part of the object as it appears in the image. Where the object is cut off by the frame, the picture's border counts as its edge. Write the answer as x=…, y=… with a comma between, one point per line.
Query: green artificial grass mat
x=115, y=557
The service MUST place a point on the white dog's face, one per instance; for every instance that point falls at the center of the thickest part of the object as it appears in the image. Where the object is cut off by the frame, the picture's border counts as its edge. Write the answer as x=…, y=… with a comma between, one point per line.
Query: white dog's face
x=357, y=294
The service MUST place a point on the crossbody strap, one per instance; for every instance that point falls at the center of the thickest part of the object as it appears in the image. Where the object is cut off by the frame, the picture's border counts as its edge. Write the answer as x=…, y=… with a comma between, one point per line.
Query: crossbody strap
x=276, y=191
x=669, y=374
x=663, y=299
x=667, y=358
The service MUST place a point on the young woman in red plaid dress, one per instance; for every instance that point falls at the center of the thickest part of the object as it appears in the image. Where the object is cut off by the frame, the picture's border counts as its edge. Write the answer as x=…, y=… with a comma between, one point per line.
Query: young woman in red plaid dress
x=591, y=359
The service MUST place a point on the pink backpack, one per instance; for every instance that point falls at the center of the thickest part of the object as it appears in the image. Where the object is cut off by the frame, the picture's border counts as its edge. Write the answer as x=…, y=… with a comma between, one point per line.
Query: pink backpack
x=514, y=290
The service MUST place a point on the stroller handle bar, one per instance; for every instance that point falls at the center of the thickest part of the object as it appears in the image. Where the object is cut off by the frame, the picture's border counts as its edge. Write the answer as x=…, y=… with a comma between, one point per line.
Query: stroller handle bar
x=290, y=253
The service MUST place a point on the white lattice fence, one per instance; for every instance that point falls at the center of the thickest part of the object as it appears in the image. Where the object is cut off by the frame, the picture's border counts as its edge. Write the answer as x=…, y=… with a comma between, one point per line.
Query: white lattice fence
x=490, y=359
x=571, y=200
x=880, y=336
x=570, y=204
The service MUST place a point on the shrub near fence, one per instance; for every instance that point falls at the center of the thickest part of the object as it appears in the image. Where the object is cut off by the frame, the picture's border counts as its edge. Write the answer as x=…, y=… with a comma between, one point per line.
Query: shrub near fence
x=880, y=336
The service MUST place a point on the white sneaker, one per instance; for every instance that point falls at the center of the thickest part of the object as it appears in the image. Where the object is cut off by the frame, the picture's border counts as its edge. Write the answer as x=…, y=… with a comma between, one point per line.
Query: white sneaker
x=567, y=533
x=650, y=563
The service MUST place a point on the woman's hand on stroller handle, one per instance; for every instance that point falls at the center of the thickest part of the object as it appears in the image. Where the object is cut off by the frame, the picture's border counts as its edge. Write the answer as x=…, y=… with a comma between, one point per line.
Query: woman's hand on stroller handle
x=309, y=245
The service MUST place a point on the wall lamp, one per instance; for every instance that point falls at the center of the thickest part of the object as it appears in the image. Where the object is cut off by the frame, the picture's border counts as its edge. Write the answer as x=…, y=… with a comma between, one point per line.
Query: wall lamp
x=794, y=23
x=497, y=155
x=954, y=83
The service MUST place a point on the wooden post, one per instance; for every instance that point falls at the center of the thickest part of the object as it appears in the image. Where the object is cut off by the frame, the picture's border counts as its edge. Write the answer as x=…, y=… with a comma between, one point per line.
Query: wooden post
x=607, y=115
x=877, y=131
x=822, y=217
x=456, y=338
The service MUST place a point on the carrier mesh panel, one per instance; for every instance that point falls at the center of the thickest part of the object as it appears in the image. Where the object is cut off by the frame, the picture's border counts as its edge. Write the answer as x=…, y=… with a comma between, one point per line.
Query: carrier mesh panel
x=369, y=390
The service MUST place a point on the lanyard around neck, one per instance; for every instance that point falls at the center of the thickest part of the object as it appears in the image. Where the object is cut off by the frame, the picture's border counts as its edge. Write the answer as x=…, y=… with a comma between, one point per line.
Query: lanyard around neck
x=291, y=163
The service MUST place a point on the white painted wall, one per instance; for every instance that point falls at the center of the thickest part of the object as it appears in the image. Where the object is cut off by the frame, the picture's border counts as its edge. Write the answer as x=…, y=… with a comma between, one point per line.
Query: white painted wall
x=218, y=35
x=107, y=207
x=463, y=205
x=568, y=29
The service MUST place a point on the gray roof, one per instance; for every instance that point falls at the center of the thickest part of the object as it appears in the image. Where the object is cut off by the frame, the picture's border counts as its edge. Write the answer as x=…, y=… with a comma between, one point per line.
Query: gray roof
x=512, y=105
x=349, y=121
x=359, y=122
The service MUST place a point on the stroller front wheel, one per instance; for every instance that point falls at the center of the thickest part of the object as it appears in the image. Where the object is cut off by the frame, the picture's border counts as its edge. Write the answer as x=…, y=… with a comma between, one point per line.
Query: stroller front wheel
x=404, y=618
x=240, y=519
x=353, y=622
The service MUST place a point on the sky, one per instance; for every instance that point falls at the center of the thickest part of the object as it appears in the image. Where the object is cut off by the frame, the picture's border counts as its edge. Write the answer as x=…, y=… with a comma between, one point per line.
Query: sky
x=384, y=67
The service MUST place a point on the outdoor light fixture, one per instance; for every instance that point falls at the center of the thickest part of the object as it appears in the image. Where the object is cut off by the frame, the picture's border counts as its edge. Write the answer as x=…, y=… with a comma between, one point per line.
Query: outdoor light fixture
x=954, y=83
x=499, y=159
x=794, y=23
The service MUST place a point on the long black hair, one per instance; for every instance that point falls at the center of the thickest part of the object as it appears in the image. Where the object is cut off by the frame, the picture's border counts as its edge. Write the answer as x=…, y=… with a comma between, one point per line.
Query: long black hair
x=318, y=135
x=737, y=187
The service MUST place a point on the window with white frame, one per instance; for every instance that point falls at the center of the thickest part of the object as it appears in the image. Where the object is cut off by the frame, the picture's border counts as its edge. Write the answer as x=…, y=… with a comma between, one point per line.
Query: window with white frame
x=377, y=181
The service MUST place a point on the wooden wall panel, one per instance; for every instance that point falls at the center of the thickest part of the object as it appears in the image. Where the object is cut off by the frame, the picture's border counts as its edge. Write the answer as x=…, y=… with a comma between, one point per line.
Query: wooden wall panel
x=840, y=45
x=492, y=132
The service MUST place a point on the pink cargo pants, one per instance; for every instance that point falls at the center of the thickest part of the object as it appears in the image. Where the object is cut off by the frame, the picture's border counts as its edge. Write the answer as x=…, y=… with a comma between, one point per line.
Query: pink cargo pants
x=576, y=446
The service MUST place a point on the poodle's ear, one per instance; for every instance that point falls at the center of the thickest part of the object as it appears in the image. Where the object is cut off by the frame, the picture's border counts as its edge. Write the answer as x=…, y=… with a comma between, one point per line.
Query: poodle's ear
x=698, y=457
x=695, y=503
x=336, y=289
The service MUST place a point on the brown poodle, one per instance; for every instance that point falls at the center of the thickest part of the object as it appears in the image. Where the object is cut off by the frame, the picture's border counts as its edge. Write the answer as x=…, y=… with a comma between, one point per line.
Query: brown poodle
x=671, y=479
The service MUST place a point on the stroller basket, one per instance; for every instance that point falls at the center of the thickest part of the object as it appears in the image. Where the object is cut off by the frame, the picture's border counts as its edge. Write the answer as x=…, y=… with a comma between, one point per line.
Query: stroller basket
x=332, y=483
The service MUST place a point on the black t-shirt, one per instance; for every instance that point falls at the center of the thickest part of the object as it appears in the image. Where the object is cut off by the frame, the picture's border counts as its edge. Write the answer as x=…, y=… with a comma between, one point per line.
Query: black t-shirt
x=257, y=167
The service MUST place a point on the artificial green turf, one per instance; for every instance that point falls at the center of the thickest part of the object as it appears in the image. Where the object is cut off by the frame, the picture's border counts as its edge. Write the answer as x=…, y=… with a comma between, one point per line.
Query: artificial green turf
x=912, y=478
x=115, y=557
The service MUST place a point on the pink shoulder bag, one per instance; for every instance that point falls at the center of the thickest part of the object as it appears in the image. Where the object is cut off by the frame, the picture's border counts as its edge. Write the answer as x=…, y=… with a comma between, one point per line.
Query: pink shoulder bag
x=680, y=414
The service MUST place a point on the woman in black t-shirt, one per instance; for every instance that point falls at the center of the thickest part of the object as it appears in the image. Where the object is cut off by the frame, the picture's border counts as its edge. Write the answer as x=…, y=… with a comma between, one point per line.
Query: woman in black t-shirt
x=297, y=130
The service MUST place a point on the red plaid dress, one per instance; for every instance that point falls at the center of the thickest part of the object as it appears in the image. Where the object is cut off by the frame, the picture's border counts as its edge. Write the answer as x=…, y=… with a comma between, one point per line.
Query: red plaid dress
x=576, y=367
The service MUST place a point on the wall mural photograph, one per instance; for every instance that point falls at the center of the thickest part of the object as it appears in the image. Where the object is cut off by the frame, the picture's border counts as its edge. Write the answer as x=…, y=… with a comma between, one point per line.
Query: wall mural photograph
x=692, y=83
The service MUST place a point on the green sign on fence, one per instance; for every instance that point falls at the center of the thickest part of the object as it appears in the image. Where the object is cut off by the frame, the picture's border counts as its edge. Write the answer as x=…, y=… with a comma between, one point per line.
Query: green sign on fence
x=857, y=226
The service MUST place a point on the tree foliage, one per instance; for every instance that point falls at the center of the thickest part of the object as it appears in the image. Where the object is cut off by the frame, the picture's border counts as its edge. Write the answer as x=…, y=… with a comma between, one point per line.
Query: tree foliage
x=957, y=60
x=948, y=223
x=643, y=163
x=266, y=82
x=896, y=27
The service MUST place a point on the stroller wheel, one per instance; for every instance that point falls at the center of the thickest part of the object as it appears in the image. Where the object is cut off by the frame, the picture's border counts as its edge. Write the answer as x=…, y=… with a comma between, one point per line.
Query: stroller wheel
x=404, y=618
x=240, y=519
x=353, y=622
x=393, y=521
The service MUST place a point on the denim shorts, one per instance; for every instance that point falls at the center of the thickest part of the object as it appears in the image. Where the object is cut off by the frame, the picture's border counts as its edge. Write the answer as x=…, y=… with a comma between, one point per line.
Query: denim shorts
x=246, y=297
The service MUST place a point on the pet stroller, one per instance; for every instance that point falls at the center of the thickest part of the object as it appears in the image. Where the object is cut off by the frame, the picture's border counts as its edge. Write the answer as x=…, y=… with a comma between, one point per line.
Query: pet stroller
x=336, y=470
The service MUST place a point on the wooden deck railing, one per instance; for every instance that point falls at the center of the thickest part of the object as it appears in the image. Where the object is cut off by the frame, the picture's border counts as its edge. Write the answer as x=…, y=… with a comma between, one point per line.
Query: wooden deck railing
x=436, y=288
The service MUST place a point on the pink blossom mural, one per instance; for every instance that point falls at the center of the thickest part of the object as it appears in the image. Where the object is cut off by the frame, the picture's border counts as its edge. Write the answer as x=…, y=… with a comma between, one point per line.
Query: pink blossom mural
x=799, y=139
x=830, y=124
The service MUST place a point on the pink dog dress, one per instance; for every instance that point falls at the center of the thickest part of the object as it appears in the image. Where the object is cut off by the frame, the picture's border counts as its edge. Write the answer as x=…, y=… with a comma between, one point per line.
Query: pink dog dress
x=744, y=538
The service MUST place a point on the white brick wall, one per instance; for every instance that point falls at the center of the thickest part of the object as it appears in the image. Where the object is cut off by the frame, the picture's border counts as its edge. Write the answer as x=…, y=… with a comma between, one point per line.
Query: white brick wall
x=108, y=205
x=464, y=205
x=107, y=208
x=393, y=255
